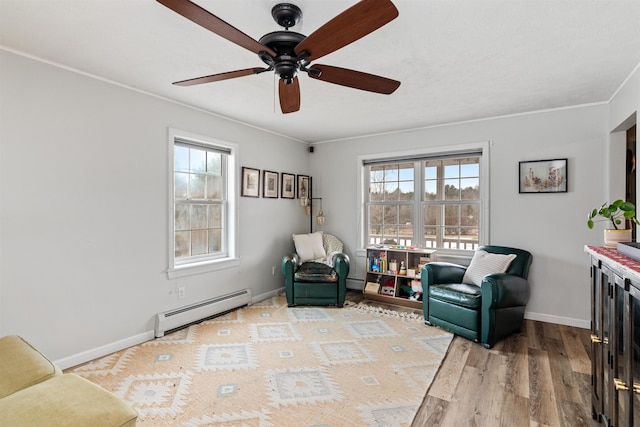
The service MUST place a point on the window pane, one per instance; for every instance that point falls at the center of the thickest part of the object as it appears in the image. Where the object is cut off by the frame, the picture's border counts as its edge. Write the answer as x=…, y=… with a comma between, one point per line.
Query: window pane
x=182, y=217
x=391, y=191
x=198, y=160
x=215, y=241
x=390, y=215
x=431, y=189
x=198, y=217
x=406, y=215
x=181, y=185
x=215, y=216
x=214, y=163
x=470, y=169
x=451, y=189
x=451, y=216
x=470, y=215
x=375, y=214
x=431, y=214
x=470, y=188
x=406, y=172
x=198, y=242
x=181, y=159
x=214, y=187
x=196, y=186
x=182, y=244
x=452, y=170
x=406, y=191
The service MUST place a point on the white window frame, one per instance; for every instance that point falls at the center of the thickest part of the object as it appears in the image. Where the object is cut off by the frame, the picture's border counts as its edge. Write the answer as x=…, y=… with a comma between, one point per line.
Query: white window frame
x=459, y=149
x=188, y=268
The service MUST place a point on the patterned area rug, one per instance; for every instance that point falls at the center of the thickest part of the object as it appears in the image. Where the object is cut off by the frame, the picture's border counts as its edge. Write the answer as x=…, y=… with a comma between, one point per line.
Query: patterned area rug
x=269, y=365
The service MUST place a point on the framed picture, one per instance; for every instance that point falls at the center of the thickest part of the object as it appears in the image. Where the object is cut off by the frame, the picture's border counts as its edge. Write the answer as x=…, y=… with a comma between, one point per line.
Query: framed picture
x=250, y=182
x=270, y=182
x=303, y=186
x=543, y=176
x=287, y=186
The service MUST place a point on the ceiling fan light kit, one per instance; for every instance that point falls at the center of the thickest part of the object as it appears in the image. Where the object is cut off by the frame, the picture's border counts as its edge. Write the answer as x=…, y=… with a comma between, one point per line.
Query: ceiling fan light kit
x=287, y=53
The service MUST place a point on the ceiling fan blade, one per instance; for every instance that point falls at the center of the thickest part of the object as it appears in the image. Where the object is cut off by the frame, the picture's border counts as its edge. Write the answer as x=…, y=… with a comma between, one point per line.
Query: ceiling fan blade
x=220, y=76
x=353, y=79
x=289, y=96
x=212, y=23
x=352, y=24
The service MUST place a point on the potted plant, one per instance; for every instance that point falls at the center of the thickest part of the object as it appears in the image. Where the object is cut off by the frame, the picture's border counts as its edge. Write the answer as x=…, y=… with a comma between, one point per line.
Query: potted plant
x=617, y=214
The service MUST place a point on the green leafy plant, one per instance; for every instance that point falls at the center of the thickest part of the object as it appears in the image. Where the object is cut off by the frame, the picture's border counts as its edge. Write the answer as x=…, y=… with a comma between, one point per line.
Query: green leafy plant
x=617, y=213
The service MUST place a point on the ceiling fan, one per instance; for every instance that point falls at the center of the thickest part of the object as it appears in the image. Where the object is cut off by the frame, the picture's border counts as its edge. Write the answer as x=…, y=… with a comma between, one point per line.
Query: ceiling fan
x=287, y=52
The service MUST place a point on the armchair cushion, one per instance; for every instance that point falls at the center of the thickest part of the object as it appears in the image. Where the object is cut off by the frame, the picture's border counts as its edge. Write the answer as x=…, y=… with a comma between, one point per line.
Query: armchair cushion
x=309, y=246
x=315, y=272
x=484, y=263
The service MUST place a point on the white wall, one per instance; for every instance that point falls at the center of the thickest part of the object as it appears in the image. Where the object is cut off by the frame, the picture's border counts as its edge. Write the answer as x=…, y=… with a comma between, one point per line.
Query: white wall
x=84, y=210
x=551, y=226
x=83, y=204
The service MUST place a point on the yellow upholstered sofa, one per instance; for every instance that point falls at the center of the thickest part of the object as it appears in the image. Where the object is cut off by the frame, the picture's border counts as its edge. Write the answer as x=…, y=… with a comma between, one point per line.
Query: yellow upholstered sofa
x=35, y=392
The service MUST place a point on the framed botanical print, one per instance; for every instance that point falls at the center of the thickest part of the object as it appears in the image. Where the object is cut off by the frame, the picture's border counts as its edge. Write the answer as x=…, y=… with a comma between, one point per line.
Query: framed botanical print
x=303, y=186
x=250, y=182
x=270, y=182
x=543, y=176
x=287, y=186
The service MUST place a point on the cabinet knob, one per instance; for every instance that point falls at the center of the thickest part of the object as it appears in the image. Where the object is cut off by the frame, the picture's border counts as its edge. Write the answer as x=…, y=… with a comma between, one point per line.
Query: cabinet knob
x=620, y=385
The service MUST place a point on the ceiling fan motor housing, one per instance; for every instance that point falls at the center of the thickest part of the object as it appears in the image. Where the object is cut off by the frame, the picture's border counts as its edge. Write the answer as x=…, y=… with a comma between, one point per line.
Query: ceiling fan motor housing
x=286, y=63
x=286, y=15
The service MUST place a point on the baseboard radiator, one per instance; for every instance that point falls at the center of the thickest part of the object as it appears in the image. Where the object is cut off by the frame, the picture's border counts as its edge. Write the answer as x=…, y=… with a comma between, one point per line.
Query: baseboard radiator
x=183, y=316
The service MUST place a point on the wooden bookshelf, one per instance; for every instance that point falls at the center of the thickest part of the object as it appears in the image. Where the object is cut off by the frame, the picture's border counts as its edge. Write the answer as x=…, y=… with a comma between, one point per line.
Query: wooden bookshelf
x=390, y=271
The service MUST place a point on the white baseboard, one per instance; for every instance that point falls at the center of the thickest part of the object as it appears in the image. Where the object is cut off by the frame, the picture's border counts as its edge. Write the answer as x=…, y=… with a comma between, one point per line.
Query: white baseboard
x=355, y=284
x=266, y=295
x=567, y=321
x=94, y=353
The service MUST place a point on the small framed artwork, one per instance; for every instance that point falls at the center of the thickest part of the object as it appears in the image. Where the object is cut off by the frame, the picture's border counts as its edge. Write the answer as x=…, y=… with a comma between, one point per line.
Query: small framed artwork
x=287, y=186
x=303, y=186
x=250, y=182
x=270, y=182
x=543, y=176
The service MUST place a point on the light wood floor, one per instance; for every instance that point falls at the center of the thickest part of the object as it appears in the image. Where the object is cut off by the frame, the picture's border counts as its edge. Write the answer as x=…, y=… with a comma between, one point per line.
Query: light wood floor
x=538, y=377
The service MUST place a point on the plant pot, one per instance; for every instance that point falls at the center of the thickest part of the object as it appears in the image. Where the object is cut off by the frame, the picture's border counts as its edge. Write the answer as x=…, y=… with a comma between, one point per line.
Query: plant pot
x=612, y=237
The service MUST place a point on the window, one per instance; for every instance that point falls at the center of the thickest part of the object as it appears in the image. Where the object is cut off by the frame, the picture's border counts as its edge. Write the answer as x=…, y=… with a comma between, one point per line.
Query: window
x=428, y=201
x=202, y=201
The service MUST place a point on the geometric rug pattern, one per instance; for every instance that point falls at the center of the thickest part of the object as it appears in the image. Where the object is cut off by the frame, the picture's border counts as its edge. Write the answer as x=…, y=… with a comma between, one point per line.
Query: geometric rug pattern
x=270, y=365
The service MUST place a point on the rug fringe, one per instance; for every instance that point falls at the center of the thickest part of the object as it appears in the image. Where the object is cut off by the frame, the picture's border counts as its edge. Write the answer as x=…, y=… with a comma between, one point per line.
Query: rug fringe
x=384, y=311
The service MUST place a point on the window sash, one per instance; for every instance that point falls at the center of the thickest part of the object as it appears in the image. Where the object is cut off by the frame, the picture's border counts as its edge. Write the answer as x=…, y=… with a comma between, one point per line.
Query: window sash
x=419, y=202
x=200, y=227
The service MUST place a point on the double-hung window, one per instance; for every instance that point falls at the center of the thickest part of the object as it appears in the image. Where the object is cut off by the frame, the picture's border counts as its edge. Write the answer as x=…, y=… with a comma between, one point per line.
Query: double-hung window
x=203, y=208
x=427, y=200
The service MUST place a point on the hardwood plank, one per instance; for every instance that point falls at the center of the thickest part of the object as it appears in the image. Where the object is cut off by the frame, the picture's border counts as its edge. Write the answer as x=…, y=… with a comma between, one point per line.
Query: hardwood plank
x=461, y=409
x=448, y=376
x=542, y=401
x=431, y=412
x=515, y=411
x=517, y=363
x=578, y=356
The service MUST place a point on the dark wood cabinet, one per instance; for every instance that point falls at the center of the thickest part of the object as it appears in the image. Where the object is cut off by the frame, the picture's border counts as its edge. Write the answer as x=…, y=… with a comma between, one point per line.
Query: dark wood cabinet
x=615, y=337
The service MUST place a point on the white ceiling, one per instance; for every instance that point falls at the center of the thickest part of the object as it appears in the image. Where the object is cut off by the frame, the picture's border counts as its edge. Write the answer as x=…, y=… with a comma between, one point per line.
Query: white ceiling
x=457, y=59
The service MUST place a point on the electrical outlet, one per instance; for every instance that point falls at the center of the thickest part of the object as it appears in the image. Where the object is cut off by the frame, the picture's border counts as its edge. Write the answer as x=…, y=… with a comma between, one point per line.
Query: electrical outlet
x=273, y=270
x=181, y=292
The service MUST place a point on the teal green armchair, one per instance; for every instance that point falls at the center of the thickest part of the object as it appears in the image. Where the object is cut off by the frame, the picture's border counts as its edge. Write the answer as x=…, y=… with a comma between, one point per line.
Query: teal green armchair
x=317, y=282
x=485, y=313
